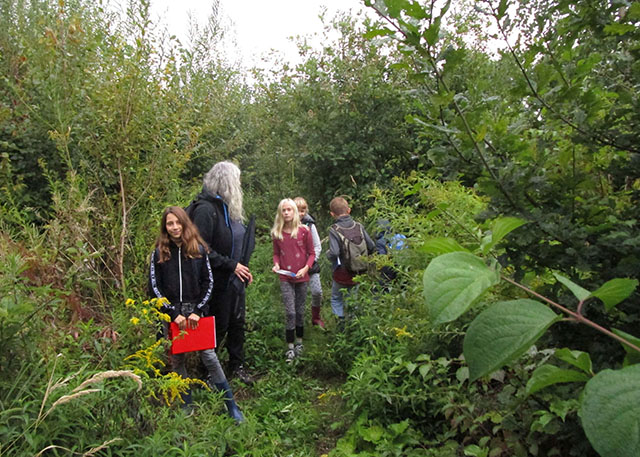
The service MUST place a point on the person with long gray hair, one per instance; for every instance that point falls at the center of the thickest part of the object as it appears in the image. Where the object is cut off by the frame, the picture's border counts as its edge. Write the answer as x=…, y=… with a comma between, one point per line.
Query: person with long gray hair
x=219, y=216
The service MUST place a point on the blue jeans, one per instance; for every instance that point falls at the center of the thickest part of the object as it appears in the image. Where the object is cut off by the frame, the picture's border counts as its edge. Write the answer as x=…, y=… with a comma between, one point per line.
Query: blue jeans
x=338, y=294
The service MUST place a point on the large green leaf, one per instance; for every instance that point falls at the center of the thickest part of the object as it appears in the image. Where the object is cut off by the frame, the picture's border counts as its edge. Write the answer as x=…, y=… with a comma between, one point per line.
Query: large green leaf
x=452, y=282
x=614, y=291
x=547, y=375
x=579, y=292
x=503, y=332
x=610, y=412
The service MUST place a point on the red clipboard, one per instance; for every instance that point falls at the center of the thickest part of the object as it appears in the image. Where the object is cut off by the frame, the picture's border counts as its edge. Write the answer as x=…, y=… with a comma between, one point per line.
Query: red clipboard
x=202, y=337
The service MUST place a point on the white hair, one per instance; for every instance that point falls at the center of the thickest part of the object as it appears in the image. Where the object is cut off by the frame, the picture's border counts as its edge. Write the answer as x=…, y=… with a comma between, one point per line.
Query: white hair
x=223, y=180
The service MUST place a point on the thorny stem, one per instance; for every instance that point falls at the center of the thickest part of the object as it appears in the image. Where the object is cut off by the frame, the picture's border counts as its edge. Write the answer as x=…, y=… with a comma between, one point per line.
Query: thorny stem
x=575, y=316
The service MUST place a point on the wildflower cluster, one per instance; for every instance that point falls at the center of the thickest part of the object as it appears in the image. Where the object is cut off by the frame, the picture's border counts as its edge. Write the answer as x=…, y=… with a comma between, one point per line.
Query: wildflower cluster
x=148, y=310
x=147, y=360
x=172, y=386
x=400, y=332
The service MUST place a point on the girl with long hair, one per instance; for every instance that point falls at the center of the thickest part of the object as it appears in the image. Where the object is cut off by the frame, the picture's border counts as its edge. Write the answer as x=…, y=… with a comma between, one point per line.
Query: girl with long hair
x=181, y=273
x=293, y=256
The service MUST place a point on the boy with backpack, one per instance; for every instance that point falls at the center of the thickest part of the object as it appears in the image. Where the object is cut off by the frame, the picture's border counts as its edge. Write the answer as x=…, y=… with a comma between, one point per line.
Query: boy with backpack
x=349, y=243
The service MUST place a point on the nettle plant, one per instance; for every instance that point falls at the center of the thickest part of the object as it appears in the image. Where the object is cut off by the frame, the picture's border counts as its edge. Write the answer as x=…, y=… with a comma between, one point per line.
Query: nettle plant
x=609, y=400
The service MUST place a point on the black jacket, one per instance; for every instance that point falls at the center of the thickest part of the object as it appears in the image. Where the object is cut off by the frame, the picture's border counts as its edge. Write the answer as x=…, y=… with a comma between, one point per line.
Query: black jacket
x=211, y=216
x=181, y=280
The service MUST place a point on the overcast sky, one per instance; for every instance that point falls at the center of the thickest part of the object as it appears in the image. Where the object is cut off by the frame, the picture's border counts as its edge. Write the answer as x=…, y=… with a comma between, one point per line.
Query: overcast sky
x=257, y=25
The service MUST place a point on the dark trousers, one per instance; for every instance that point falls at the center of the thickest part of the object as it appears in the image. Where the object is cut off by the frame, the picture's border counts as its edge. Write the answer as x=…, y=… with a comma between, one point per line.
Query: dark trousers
x=229, y=310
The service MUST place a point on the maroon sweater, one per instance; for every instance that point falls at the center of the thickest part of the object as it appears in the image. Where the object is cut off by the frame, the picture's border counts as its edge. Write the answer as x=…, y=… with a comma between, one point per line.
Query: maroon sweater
x=294, y=253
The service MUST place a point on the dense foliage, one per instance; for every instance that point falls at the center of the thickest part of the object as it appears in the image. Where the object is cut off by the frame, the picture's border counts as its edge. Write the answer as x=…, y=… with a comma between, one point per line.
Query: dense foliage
x=504, y=134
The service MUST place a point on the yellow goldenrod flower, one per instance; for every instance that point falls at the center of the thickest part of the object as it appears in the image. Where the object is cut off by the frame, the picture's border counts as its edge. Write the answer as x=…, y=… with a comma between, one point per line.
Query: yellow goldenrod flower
x=160, y=302
x=402, y=332
x=147, y=358
x=134, y=320
x=129, y=302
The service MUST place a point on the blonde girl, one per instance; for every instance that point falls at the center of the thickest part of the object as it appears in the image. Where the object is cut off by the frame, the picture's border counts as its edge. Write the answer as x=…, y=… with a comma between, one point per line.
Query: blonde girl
x=293, y=256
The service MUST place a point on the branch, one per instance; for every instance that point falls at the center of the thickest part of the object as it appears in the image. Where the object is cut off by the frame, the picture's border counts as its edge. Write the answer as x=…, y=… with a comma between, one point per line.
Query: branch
x=598, y=138
x=123, y=232
x=425, y=53
x=576, y=316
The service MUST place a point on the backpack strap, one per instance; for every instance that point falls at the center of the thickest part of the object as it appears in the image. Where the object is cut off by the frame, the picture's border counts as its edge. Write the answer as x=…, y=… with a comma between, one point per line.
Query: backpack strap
x=337, y=227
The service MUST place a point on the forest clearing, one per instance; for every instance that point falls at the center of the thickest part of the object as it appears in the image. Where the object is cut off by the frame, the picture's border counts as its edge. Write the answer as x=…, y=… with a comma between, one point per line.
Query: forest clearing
x=500, y=138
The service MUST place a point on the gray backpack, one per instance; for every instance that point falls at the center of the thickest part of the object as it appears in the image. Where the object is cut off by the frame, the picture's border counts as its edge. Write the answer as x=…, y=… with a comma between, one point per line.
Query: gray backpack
x=353, y=247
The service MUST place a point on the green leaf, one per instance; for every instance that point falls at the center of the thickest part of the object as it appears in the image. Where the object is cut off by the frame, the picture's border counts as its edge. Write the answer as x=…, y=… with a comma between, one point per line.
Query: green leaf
x=547, y=375
x=416, y=11
x=394, y=7
x=614, y=291
x=452, y=282
x=442, y=99
x=503, y=332
x=481, y=133
x=372, y=434
x=580, y=293
x=610, y=412
x=632, y=356
x=432, y=33
x=618, y=29
x=503, y=226
x=377, y=32
x=399, y=428
x=441, y=246
x=633, y=13
x=476, y=451
x=502, y=8
x=578, y=359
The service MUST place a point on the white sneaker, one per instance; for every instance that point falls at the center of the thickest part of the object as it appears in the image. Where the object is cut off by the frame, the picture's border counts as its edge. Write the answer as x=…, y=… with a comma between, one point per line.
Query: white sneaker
x=290, y=355
x=298, y=349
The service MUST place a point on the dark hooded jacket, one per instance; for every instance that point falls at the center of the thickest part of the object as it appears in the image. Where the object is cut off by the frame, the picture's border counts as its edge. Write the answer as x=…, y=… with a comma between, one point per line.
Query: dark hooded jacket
x=211, y=216
x=181, y=280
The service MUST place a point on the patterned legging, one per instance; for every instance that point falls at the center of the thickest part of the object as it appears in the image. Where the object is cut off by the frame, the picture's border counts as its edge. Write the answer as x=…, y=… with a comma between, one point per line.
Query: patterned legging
x=294, y=296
